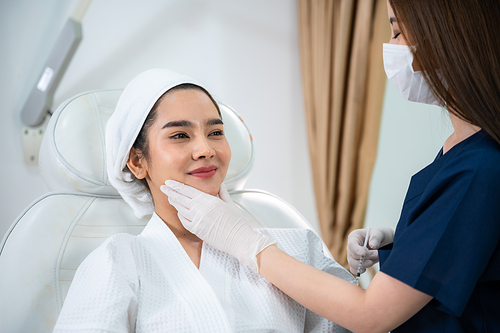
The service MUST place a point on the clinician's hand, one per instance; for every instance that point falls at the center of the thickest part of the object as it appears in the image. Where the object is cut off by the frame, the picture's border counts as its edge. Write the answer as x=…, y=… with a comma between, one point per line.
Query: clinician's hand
x=378, y=237
x=217, y=221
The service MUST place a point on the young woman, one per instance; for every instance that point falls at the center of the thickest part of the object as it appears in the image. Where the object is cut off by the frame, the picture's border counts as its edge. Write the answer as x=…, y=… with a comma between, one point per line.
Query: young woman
x=167, y=126
x=440, y=270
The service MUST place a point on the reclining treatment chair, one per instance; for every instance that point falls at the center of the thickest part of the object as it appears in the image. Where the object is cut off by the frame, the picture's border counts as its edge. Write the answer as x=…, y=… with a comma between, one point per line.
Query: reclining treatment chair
x=45, y=245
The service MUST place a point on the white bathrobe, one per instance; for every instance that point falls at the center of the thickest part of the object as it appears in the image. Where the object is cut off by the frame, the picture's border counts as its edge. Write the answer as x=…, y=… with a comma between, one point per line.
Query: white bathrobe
x=148, y=283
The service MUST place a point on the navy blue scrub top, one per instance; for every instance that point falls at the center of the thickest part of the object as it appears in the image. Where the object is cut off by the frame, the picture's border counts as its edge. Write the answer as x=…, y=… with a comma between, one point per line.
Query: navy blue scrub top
x=446, y=243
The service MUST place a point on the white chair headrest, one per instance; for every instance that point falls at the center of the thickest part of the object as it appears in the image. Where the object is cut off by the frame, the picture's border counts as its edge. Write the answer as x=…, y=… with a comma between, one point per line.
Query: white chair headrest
x=72, y=154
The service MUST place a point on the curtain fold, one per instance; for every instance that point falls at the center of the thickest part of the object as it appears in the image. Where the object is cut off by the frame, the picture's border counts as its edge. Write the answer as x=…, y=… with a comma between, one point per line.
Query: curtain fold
x=343, y=83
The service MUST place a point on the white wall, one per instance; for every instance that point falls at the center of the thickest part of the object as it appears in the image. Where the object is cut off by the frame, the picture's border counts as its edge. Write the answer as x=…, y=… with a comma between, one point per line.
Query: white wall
x=411, y=135
x=246, y=52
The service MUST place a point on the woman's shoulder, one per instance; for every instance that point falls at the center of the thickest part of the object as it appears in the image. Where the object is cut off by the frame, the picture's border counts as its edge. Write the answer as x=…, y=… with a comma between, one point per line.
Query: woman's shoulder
x=487, y=152
x=117, y=242
x=478, y=158
x=299, y=243
x=114, y=259
x=116, y=248
x=293, y=236
x=477, y=150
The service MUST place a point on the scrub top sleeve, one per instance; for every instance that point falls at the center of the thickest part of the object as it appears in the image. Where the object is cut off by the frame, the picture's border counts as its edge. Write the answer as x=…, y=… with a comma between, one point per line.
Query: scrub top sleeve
x=102, y=295
x=452, y=231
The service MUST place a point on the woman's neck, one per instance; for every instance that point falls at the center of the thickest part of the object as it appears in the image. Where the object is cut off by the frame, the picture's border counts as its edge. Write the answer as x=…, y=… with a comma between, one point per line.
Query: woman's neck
x=189, y=242
x=461, y=131
x=169, y=216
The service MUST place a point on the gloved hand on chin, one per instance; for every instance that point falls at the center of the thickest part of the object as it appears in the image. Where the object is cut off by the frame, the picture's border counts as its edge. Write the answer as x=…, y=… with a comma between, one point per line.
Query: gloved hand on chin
x=378, y=237
x=217, y=221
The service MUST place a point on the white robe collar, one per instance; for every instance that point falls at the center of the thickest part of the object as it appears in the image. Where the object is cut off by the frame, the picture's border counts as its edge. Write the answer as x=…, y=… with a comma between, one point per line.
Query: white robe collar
x=192, y=288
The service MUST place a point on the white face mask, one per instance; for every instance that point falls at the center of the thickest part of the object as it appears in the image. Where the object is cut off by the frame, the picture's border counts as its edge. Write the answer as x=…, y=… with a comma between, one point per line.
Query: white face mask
x=398, y=65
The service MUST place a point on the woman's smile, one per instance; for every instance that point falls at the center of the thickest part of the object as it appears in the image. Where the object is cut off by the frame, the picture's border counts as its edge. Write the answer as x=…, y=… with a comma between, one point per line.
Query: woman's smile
x=204, y=171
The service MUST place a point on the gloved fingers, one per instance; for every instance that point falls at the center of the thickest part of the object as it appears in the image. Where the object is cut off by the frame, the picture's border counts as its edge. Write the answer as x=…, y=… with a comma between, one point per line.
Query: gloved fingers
x=184, y=211
x=183, y=189
x=185, y=222
x=355, y=250
x=175, y=198
x=375, y=240
x=372, y=256
x=380, y=237
x=224, y=195
x=180, y=203
x=353, y=264
x=357, y=237
x=363, y=270
x=368, y=263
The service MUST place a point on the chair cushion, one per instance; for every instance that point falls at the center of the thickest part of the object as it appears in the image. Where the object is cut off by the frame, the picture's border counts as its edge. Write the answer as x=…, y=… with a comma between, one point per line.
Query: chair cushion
x=45, y=246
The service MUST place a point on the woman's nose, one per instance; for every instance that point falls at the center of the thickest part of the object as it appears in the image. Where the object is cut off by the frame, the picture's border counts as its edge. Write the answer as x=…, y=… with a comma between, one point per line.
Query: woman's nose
x=203, y=149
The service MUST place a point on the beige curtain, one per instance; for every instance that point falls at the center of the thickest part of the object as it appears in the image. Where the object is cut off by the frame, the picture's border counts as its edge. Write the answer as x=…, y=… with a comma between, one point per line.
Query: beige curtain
x=343, y=82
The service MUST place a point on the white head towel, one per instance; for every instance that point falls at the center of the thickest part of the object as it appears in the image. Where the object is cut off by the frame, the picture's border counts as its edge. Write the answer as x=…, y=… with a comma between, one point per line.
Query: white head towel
x=124, y=125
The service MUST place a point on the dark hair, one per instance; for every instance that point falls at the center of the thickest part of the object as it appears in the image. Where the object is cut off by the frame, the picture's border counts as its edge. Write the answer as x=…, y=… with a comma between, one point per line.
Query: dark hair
x=141, y=143
x=457, y=45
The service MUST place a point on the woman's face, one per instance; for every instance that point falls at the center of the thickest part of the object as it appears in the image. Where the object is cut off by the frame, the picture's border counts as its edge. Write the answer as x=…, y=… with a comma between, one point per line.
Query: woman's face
x=187, y=143
x=396, y=37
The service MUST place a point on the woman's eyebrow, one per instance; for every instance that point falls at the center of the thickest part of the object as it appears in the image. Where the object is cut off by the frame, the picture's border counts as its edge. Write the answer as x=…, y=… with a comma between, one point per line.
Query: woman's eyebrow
x=392, y=19
x=187, y=123
x=215, y=121
x=178, y=123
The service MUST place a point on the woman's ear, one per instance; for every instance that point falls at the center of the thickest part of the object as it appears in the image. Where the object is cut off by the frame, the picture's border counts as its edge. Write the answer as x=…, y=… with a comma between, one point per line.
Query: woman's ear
x=137, y=164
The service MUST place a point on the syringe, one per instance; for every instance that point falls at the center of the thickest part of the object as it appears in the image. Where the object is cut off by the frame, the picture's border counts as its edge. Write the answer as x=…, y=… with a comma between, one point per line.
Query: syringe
x=360, y=266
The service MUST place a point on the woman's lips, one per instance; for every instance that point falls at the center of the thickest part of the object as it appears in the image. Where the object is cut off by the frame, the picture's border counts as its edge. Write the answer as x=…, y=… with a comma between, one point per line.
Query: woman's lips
x=204, y=172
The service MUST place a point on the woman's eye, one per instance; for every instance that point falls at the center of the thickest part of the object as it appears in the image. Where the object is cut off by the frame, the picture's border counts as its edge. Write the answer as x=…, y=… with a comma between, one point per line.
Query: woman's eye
x=396, y=35
x=216, y=133
x=179, y=136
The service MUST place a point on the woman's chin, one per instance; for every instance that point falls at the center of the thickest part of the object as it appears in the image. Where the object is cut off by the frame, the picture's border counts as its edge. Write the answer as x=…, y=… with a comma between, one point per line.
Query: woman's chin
x=212, y=189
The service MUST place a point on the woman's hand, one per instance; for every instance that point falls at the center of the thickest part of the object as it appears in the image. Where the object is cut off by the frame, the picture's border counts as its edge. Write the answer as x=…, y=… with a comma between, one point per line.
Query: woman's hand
x=355, y=246
x=217, y=221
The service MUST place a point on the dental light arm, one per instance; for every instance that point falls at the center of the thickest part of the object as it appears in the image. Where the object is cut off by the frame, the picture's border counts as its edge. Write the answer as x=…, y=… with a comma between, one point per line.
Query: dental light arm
x=40, y=99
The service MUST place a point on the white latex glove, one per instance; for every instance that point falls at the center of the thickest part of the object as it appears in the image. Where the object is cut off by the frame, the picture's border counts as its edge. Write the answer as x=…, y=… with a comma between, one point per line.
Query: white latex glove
x=217, y=221
x=377, y=238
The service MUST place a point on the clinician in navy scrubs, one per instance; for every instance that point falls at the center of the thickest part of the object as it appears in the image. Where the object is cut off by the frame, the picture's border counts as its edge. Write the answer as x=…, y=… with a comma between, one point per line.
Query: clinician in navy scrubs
x=440, y=270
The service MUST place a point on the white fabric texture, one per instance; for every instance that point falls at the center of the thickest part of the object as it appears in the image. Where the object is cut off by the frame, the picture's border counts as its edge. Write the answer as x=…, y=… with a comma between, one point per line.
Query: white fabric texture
x=134, y=105
x=148, y=283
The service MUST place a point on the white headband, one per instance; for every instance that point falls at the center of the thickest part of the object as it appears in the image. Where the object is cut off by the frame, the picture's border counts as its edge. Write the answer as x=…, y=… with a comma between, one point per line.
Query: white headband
x=124, y=126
